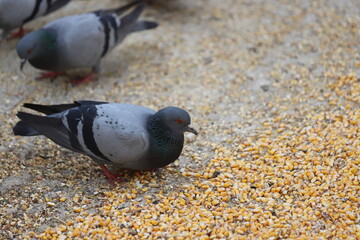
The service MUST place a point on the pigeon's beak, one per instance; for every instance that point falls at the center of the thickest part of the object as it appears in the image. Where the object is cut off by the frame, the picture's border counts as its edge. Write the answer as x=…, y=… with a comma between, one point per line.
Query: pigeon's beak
x=22, y=63
x=192, y=130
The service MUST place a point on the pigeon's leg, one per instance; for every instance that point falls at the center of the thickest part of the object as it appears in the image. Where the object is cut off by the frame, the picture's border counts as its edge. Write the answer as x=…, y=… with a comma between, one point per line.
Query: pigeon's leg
x=4, y=35
x=88, y=78
x=112, y=177
x=18, y=34
x=51, y=75
x=96, y=69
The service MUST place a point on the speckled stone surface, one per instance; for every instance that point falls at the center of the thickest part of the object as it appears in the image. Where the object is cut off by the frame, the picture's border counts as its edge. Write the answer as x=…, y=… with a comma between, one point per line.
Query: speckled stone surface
x=273, y=88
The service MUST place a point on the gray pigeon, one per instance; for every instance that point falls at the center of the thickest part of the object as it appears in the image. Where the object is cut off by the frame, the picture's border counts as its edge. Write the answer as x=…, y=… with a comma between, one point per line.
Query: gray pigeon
x=80, y=41
x=15, y=13
x=123, y=135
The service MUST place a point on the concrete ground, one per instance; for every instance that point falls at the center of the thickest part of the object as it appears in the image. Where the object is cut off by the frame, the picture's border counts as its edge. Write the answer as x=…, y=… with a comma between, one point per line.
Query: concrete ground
x=273, y=88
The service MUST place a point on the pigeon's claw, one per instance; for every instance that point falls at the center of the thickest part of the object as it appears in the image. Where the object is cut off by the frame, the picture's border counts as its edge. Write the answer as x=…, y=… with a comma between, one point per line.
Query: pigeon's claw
x=22, y=63
x=88, y=78
x=111, y=176
x=20, y=33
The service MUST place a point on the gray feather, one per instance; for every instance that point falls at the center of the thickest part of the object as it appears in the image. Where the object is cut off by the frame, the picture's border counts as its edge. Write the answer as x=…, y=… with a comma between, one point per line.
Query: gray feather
x=50, y=127
x=119, y=10
x=23, y=129
x=144, y=25
x=56, y=5
x=52, y=109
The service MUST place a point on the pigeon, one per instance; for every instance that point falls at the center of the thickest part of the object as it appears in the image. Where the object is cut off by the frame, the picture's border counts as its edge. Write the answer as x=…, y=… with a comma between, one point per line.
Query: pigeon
x=123, y=135
x=80, y=41
x=15, y=13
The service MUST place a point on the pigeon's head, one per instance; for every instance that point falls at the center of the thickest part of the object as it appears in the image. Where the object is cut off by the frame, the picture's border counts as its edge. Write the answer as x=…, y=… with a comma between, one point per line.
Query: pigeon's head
x=176, y=119
x=37, y=45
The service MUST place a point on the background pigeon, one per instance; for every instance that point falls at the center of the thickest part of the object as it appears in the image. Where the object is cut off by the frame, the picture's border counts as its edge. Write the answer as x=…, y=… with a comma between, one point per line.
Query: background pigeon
x=124, y=135
x=80, y=40
x=15, y=13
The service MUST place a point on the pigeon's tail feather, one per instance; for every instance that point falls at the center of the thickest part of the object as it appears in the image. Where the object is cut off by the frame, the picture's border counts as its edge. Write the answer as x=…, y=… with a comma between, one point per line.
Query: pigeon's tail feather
x=128, y=21
x=122, y=9
x=50, y=127
x=53, y=109
x=23, y=129
x=56, y=5
x=144, y=25
x=50, y=109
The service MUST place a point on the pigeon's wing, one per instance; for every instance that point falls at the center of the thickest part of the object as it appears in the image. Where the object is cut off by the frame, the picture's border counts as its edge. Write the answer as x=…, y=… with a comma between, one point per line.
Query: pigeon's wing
x=120, y=133
x=71, y=129
x=129, y=23
x=114, y=28
x=89, y=102
x=109, y=133
x=81, y=41
x=60, y=124
x=116, y=25
x=43, y=7
x=55, y=5
x=52, y=109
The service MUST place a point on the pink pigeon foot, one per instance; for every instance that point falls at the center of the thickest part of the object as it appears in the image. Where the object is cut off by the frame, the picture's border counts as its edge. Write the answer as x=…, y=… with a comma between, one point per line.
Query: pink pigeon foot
x=20, y=33
x=90, y=77
x=52, y=75
x=111, y=176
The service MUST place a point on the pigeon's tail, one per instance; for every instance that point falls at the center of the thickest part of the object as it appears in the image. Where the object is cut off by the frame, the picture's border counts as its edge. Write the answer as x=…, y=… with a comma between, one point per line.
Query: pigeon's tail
x=122, y=9
x=128, y=21
x=50, y=109
x=144, y=25
x=54, y=5
x=50, y=127
x=53, y=109
x=23, y=129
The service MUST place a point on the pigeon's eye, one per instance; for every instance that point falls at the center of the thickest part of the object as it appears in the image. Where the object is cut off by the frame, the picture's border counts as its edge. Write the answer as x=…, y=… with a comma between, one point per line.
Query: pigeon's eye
x=179, y=121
